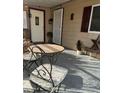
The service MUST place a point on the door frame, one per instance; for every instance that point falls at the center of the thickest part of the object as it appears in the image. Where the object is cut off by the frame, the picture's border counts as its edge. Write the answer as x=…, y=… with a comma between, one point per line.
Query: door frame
x=30, y=22
x=62, y=23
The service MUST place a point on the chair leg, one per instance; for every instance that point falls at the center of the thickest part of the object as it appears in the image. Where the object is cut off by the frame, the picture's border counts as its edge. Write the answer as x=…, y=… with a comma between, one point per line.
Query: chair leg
x=30, y=64
x=24, y=66
x=27, y=67
x=58, y=88
x=34, y=91
x=36, y=64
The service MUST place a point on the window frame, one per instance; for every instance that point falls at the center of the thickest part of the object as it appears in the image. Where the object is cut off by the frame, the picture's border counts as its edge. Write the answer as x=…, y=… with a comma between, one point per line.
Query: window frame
x=91, y=14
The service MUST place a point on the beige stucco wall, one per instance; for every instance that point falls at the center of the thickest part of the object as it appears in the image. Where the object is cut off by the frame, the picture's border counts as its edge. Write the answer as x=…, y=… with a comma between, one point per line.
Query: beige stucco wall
x=48, y=15
x=71, y=28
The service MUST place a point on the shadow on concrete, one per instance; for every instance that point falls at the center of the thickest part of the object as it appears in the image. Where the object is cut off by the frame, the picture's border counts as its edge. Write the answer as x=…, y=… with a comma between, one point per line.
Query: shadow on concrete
x=72, y=81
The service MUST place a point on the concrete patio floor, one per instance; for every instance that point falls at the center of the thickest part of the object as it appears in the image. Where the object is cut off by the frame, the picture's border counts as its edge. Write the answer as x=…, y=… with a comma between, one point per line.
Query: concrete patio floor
x=83, y=73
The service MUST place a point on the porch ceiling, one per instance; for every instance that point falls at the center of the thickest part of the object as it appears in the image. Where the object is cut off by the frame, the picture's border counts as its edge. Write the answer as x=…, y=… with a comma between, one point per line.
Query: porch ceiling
x=46, y=3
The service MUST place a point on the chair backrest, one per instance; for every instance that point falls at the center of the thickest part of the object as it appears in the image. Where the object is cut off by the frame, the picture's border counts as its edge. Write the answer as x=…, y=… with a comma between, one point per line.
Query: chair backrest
x=38, y=55
x=42, y=54
x=30, y=53
x=35, y=47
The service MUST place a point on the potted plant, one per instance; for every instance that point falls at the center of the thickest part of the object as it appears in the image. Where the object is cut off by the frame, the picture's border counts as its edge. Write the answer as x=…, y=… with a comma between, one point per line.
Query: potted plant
x=79, y=46
x=50, y=36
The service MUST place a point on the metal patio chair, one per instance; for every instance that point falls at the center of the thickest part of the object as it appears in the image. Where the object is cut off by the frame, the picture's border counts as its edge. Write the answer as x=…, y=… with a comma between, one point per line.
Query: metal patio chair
x=29, y=58
x=47, y=77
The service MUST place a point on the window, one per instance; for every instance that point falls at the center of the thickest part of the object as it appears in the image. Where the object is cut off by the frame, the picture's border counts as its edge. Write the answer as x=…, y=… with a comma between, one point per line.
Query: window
x=94, y=23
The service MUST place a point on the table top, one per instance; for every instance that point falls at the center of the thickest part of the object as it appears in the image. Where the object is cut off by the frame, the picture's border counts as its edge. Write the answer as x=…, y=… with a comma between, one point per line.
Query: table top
x=49, y=48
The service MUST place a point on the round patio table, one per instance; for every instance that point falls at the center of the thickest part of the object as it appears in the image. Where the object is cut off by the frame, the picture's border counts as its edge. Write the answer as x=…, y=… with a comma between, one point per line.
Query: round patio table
x=48, y=48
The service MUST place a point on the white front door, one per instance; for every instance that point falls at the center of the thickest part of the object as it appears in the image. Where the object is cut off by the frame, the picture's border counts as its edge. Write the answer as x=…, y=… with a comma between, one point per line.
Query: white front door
x=57, y=26
x=37, y=25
